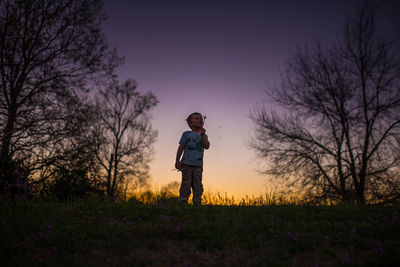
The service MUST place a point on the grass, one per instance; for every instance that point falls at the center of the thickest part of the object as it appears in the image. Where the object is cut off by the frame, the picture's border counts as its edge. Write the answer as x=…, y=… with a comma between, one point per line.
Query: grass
x=96, y=233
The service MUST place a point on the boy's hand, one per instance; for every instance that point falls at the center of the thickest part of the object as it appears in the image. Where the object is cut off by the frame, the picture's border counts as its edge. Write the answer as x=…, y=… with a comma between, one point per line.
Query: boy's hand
x=178, y=165
x=204, y=139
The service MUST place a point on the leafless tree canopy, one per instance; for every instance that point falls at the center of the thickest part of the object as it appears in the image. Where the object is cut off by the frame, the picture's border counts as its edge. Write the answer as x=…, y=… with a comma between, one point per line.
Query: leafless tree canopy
x=124, y=122
x=49, y=50
x=333, y=125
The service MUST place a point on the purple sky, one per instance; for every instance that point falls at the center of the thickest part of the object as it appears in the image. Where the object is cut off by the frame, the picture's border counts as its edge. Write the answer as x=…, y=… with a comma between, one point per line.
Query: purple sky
x=217, y=57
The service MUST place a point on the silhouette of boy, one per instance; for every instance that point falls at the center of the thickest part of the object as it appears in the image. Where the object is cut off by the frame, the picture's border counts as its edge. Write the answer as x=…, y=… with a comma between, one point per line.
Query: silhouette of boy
x=192, y=145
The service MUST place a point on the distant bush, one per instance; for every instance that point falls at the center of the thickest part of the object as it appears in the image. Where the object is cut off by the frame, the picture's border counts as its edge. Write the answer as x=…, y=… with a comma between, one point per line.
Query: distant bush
x=72, y=184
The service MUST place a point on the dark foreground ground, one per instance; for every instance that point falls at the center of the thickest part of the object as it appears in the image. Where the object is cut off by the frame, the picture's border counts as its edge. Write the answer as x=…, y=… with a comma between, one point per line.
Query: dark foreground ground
x=166, y=234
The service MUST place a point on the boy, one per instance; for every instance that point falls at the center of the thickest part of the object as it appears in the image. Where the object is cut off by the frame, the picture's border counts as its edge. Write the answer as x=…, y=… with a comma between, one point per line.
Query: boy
x=192, y=145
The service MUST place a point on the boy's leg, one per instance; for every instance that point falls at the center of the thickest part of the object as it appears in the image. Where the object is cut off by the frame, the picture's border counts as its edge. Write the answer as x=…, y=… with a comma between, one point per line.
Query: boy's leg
x=184, y=191
x=197, y=185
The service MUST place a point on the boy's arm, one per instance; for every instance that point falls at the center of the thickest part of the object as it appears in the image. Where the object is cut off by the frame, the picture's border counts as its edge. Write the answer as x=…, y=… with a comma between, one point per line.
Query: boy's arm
x=204, y=139
x=178, y=164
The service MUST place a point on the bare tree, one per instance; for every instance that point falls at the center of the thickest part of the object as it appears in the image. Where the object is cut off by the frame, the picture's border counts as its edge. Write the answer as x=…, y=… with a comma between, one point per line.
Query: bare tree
x=49, y=49
x=124, y=122
x=336, y=128
x=70, y=169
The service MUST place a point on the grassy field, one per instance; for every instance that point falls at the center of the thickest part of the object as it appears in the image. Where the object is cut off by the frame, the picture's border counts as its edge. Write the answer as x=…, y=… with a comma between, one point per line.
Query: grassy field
x=96, y=233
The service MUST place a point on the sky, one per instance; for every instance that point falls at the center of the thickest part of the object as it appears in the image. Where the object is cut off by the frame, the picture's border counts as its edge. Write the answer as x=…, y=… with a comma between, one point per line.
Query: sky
x=218, y=58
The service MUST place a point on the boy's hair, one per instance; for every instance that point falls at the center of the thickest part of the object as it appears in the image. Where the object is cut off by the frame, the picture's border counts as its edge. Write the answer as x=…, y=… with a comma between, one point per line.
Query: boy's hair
x=189, y=118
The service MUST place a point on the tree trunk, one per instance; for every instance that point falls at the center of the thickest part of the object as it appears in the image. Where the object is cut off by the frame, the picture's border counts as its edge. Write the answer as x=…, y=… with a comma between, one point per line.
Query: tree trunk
x=6, y=170
x=109, y=191
x=359, y=197
x=115, y=177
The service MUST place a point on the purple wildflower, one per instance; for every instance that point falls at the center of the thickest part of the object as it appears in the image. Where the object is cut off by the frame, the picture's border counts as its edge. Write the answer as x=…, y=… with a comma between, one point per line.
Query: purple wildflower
x=297, y=236
x=164, y=218
x=254, y=261
x=345, y=260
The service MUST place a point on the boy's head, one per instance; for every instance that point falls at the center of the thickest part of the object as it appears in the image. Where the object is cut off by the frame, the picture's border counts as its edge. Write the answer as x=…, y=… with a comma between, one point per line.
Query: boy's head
x=195, y=120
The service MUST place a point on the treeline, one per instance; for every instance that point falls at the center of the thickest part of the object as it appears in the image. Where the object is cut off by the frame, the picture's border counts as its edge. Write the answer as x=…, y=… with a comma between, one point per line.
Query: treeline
x=68, y=127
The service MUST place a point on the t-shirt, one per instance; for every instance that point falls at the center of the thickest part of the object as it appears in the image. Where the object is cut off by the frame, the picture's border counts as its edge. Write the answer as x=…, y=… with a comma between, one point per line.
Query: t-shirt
x=194, y=148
